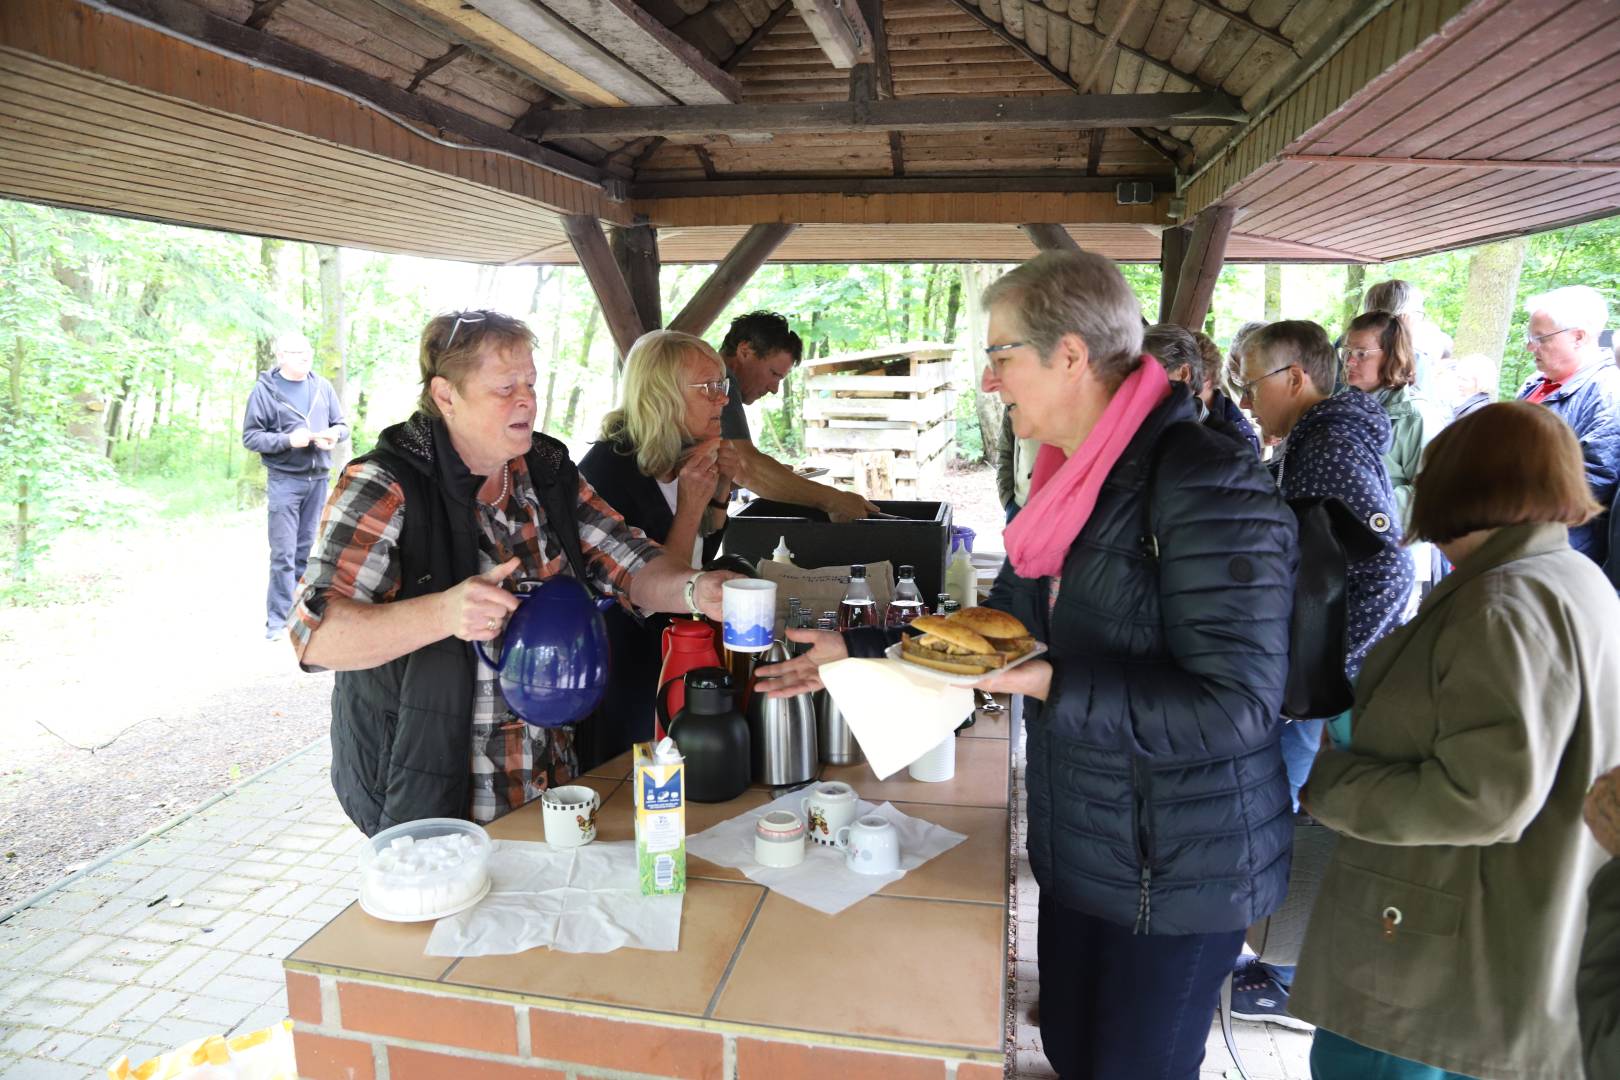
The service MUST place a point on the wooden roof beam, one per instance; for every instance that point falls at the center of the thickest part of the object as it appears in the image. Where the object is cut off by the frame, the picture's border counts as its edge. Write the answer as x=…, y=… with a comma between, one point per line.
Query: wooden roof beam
x=617, y=50
x=840, y=30
x=1543, y=165
x=450, y=56
x=757, y=36
x=970, y=8
x=189, y=22
x=735, y=185
x=1240, y=19
x=909, y=114
x=1049, y=237
x=1201, y=266
x=607, y=282
x=730, y=276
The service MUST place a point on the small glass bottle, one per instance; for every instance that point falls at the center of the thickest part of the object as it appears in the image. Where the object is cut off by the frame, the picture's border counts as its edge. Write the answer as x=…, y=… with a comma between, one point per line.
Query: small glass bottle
x=907, y=602
x=828, y=621
x=857, y=609
x=949, y=606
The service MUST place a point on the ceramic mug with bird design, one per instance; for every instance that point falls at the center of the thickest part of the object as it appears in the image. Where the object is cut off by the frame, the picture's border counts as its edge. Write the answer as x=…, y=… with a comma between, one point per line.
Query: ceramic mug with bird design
x=570, y=815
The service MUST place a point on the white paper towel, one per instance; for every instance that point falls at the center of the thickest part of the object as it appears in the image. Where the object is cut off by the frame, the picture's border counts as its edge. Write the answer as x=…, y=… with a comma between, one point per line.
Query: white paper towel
x=582, y=900
x=897, y=716
x=822, y=881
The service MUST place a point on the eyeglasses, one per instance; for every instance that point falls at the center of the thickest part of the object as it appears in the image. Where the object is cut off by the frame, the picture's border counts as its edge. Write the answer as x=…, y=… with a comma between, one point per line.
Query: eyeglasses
x=1247, y=389
x=1356, y=356
x=1534, y=341
x=717, y=389
x=469, y=317
x=990, y=351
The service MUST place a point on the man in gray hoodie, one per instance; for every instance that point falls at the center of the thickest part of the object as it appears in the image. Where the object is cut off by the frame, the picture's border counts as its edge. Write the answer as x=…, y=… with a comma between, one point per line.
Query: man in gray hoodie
x=293, y=420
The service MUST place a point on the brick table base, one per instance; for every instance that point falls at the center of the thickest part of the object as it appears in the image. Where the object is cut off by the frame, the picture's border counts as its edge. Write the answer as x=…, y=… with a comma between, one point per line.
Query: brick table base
x=348, y=1029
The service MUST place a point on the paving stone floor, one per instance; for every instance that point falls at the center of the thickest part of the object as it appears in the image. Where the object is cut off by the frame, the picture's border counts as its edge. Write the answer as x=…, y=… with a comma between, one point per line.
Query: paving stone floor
x=180, y=937
x=183, y=936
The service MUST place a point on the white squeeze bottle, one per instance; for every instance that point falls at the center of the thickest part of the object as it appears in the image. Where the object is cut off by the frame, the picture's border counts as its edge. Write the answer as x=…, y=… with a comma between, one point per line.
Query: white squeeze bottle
x=961, y=579
x=782, y=554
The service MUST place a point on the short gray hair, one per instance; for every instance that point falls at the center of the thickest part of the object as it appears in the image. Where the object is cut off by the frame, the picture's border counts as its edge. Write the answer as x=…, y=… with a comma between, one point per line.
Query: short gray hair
x=1578, y=306
x=1174, y=347
x=1394, y=296
x=1067, y=292
x=1297, y=341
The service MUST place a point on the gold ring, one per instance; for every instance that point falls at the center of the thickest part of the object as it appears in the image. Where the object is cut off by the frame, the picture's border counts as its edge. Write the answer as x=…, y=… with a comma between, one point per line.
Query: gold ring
x=492, y=623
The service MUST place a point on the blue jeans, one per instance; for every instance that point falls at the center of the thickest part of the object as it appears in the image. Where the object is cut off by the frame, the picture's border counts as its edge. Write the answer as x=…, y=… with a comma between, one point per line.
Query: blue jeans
x=1301, y=739
x=1012, y=509
x=295, y=512
x=1122, y=1006
x=1334, y=1057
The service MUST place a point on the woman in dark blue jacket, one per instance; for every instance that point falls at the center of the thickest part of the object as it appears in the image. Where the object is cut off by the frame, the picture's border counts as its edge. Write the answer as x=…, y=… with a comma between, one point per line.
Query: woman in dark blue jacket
x=1156, y=561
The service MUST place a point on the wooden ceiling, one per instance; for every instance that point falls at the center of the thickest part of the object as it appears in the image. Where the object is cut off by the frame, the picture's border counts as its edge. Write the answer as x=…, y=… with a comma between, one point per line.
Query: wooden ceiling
x=419, y=125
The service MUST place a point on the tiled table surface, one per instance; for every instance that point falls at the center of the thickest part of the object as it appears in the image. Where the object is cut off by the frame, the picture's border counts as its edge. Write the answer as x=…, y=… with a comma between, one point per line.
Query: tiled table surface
x=921, y=962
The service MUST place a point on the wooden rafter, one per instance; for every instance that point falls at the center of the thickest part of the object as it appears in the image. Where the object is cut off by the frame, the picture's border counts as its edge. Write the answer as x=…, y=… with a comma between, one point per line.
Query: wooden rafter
x=1024, y=47
x=189, y=22
x=735, y=184
x=261, y=13
x=873, y=10
x=450, y=56
x=839, y=29
x=1247, y=23
x=1094, y=151
x=541, y=29
x=909, y=114
x=1454, y=163
x=1049, y=237
x=607, y=282
x=1124, y=17
x=729, y=277
x=1201, y=266
x=759, y=35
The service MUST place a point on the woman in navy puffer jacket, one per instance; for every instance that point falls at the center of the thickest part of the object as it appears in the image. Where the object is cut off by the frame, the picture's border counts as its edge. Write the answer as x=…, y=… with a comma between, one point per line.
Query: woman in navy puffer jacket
x=1157, y=561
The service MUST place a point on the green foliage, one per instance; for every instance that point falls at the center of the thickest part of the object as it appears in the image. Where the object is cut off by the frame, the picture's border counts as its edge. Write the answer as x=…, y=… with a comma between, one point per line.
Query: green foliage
x=969, y=437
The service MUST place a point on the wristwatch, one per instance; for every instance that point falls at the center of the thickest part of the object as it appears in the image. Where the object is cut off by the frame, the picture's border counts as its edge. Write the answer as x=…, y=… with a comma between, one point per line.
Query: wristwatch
x=691, y=593
x=720, y=504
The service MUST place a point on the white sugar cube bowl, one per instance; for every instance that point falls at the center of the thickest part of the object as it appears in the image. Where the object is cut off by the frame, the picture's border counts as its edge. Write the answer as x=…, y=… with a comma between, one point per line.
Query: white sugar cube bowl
x=424, y=869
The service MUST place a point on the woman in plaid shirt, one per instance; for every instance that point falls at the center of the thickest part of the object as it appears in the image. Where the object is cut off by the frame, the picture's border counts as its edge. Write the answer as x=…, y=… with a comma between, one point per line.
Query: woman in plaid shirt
x=414, y=546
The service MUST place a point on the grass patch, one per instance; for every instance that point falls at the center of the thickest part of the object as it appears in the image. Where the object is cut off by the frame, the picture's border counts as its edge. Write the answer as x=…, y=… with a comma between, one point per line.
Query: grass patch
x=182, y=497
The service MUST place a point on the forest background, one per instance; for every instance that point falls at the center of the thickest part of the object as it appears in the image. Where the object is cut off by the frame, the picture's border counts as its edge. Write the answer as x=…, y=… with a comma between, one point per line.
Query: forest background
x=130, y=347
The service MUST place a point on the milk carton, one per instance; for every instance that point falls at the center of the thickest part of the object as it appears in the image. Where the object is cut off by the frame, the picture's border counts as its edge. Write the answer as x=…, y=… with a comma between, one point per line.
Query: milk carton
x=660, y=799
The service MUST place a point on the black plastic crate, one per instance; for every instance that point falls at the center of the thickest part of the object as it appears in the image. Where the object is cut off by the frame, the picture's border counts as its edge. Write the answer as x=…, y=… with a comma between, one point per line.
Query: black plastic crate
x=921, y=539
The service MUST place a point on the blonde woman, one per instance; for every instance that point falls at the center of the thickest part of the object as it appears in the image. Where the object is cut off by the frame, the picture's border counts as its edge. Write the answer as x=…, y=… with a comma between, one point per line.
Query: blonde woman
x=661, y=463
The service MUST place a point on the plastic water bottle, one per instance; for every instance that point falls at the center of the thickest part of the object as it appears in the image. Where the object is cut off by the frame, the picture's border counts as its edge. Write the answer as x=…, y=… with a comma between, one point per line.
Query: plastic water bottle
x=857, y=609
x=907, y=602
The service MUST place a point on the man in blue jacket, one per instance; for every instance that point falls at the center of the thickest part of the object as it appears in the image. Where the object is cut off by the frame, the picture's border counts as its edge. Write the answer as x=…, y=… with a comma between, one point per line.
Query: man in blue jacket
x=293, y=421
x=1579, y=382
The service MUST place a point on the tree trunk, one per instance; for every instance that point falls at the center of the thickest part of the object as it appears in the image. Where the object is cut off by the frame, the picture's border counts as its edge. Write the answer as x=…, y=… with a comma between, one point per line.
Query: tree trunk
x=573, y=407
x=953, y=304
x=1487, y=308
x=263, y=351
x=329, y=351
x=551, y=387
x=987, y=407
x=1355, y=280
x=932, y=285
x=1273, y=292
x=20, y=566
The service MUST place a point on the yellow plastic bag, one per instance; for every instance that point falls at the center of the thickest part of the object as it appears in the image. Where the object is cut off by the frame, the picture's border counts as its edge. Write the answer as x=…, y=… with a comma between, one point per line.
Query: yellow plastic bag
x=259, y=1055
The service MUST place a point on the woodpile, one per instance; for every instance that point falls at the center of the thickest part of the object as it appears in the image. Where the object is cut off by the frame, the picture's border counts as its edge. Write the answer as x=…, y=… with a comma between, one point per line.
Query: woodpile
x=882, y=421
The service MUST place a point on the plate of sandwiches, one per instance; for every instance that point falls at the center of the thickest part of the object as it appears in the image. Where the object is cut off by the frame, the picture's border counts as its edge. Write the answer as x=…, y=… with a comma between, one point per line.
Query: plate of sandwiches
x=965, y=647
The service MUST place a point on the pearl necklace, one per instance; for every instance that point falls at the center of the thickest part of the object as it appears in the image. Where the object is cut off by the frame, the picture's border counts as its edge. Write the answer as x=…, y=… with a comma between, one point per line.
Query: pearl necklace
x=506, y=480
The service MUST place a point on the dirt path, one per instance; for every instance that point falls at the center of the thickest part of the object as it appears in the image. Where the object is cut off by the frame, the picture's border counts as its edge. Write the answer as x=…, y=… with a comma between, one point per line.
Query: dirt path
x=121, y=713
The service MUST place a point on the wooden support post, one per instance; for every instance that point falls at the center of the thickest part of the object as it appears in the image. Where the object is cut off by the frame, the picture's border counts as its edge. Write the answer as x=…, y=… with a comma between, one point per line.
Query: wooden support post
x=1048, y=237
x=730, y=276
x=1172, y=254
x=635, y=250
x=1206, y=252
x=618, y=309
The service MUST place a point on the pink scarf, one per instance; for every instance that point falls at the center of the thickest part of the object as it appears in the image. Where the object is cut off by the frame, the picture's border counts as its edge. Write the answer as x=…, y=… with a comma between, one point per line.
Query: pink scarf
x=1063, y=491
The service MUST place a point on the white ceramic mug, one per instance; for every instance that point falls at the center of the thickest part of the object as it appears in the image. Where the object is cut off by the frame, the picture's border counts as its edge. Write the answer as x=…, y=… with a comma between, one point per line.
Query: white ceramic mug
x=779, y=839
x=828, y=808
x=871, y=845
x=749, y=609
x=569, y=814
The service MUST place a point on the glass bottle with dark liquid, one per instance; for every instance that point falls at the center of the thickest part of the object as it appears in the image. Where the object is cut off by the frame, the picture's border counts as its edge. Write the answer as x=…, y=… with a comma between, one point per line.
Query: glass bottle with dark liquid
x=857, y=609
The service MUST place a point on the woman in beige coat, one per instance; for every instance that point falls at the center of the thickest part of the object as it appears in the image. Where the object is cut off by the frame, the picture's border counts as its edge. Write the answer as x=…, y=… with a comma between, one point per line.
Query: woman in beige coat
x=1446, y=936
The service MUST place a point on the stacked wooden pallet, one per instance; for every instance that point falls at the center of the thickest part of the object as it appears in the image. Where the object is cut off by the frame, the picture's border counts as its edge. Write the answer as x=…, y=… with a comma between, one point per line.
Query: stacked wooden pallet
x=883, y=418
